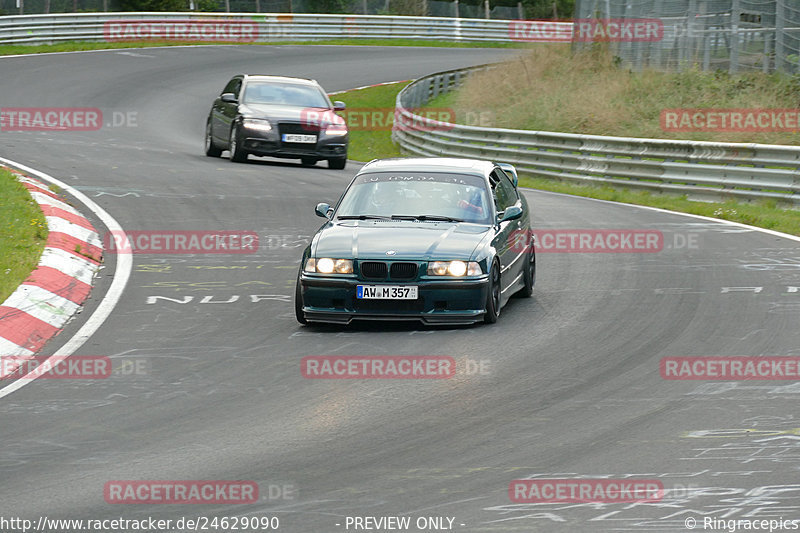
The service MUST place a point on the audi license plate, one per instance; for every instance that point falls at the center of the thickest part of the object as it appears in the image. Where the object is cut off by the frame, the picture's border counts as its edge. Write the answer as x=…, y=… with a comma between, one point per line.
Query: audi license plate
x=386, y=292
x=299, y=138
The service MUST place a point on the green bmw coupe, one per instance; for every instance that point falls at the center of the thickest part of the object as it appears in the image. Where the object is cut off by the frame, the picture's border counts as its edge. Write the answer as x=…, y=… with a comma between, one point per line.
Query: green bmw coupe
x=432, y=239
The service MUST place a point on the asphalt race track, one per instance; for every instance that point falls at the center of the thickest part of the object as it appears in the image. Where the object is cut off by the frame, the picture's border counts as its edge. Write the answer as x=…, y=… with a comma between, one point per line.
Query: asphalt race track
x=569, y=387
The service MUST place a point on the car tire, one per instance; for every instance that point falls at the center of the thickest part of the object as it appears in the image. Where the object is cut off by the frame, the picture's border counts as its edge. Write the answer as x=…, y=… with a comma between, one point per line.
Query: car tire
x=237, y=153
x=529, y=275
x=493, y=295
x=298, y=302
x=308, y=161
x=211, y=148
x=337, y=163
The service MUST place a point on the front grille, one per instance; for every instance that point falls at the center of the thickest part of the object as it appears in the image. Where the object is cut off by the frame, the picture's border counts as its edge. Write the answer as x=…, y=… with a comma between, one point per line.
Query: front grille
x=373, y=270
x=294, y=127
x=404, y=270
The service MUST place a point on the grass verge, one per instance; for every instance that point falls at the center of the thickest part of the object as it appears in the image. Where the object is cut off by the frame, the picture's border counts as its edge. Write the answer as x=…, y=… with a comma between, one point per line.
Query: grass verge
x=368, y=145
x=76, y=46
x=23, y=233
x=553, y=89
x=369, y=115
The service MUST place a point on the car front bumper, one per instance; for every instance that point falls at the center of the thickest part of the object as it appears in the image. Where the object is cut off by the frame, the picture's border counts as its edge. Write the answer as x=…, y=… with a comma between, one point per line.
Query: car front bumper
x=451, y=301
x=275, y=148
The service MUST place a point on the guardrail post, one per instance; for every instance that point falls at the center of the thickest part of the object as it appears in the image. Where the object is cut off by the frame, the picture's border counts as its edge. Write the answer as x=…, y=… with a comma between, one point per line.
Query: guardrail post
x=736, y=13
x=779, y=25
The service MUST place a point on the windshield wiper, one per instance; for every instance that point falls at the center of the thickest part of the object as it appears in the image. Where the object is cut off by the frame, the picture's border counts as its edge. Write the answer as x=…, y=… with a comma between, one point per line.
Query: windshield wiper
x=438, y=218
x=404, y=217
x=362, y=217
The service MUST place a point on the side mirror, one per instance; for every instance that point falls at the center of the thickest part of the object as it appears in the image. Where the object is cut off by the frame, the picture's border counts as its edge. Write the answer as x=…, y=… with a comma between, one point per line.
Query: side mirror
x=323, y=210
x=511, y=213
x=339, y=106
x=229, y=98
x=509, y=169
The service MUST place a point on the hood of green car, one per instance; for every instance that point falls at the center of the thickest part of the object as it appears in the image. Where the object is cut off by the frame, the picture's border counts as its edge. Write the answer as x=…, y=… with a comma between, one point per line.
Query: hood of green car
x=393, y=240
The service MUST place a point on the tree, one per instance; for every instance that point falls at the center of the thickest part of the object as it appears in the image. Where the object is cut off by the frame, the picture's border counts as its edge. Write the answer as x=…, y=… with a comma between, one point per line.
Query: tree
x=549, y=9
x=154, y=5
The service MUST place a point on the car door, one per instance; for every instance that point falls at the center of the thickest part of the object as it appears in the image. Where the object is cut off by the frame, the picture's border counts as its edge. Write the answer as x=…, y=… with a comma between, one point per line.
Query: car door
x=223, y=113
x=505, y=195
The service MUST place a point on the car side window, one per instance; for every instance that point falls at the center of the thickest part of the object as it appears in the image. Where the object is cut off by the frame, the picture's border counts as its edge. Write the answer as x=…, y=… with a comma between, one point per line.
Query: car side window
x=503, y=190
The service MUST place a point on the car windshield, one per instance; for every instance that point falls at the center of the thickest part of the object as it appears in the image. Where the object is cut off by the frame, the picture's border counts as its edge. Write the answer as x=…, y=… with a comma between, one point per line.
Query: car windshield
x=287, y=94
x=417, y=196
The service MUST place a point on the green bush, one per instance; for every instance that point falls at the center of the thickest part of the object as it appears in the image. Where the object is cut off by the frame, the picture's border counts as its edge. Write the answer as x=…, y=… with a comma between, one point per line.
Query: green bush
x=543, y=9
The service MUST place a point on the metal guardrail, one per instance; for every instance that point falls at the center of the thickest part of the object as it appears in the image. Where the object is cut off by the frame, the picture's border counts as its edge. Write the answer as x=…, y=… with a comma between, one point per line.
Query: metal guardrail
x=706, y=170
x=41, y=29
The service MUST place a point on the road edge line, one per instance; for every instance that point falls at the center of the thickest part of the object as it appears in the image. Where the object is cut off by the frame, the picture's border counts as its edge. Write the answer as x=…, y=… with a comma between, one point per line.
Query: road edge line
x=122, y=273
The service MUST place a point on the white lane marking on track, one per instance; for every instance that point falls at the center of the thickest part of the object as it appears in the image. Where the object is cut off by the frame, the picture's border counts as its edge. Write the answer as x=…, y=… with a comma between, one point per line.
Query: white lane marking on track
x=667, y=211
x=115, y=50
x=110, y=299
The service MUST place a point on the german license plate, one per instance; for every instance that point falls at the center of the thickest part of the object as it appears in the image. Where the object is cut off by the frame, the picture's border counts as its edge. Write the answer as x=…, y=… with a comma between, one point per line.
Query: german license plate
x=299, y=138
x=386, y=292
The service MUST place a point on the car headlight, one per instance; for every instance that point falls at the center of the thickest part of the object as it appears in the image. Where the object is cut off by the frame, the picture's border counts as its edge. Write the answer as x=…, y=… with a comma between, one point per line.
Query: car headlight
x=326, y=265
x=454, y=268
x=337, y=127
x=257, y=124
